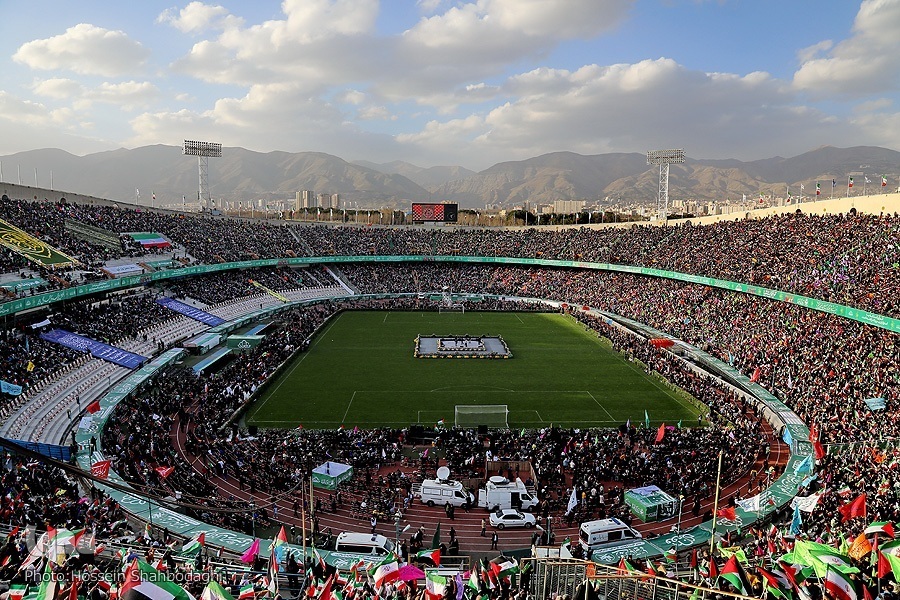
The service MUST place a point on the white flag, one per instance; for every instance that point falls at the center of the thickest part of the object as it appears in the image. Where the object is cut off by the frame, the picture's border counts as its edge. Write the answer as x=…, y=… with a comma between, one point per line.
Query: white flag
x=573, y=501
x=801, y=187
x=749, y=504
x=807, y=504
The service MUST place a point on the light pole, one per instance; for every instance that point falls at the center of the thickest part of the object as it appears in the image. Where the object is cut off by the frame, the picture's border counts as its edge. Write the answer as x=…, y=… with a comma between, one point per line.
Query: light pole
x=398, y=516
x=678, y=527
x=253, y=517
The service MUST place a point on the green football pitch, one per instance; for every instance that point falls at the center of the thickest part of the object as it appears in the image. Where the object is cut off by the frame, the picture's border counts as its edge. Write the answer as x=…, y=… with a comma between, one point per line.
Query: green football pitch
x=360, y=371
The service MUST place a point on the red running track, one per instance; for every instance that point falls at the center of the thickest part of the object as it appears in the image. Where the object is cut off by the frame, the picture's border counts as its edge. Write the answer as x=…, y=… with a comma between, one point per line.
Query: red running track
x=467, y=525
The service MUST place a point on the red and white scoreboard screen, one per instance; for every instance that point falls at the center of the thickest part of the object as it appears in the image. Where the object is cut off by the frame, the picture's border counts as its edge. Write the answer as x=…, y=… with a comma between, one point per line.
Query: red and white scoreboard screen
x=441, y=213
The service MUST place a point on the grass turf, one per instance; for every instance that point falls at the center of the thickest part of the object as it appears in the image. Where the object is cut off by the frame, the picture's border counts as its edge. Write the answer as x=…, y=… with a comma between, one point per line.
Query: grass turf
x=360, y=371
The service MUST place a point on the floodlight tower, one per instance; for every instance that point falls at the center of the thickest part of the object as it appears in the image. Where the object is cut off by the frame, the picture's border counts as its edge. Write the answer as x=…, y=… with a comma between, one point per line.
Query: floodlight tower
x=203, y=151
x=664, y=158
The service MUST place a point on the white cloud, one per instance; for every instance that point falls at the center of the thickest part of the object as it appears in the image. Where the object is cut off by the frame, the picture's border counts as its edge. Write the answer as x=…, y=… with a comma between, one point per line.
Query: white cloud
x=374, y=113
x=599, y=109
x=58, y=88
x=85, y=49
x=867, y=62
x=128, y=94
x=197, y=17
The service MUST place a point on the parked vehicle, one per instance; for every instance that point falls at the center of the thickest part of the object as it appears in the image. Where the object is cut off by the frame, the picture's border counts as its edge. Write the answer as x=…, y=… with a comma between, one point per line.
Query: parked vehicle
x=500, y=493
x=510, y=517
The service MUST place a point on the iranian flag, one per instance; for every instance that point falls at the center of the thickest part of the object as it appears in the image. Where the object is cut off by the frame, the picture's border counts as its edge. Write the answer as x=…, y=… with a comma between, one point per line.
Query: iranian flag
x=164, y=472
x=839, y=585
x=195, y=544
x=386, y=571
x=818, y=189
x=850, y=185
x=732, y=573
x=435, y=586
x=247, y=593
x=883, y=181
x=17, y=591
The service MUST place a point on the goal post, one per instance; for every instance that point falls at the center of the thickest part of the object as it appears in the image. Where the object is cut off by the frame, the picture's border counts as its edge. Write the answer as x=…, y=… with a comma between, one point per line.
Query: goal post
x=491, y=415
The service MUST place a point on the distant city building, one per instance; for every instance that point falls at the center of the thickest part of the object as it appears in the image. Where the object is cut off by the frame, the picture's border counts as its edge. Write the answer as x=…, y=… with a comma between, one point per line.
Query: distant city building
x=305, y=199
x=567, y=207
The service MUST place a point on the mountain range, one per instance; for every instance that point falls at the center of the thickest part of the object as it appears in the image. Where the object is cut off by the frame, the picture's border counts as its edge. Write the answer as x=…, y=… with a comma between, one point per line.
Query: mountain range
x=244, y=174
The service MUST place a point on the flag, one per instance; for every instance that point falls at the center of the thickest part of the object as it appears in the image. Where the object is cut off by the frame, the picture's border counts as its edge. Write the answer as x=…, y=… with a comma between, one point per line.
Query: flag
x=100, y=469
x=808, y=503
x=818, y=189
x=505, y=568
x=854, y=508
x=713, y=569
x=573, y=501
x=251, y=553
x=440, y=423
x=279, y=544
x=776, y=583
x=194, y=544
x=435, y=585
x=834, y=183
x=143, y=582
x=436, y=538
x=17, y=591
x=660, y=433
x=214, y=591
x=850, y=183
x=433, y=555
x=860, y=547
x=750, y=504
x=804, y=466
x=164, y=472
x=728, y=513
x=797, y=521
x=880, y=528
x=646, y=419
x=247, y=592
x=47, y=589
x=93, y=407
x=839, y=585
x=386, y=571
x=883, y=181
x=625, y=566
x=733, y=574
x=30, y=366
x=272, y=572
x=755, y=376
x=473, y=581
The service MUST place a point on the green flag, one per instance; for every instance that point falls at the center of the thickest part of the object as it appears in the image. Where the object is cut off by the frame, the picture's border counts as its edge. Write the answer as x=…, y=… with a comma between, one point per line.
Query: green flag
x=646, y=419
x=436, y=540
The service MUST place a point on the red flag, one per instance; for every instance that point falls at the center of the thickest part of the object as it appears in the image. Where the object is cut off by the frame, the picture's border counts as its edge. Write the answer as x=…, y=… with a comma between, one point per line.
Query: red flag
x=819, y=450
x=884, y=566
x=73, y=591
x=93, y=407
x=165, y=471
x=694, y=558
x=854, y=508
x=756, y=373
x=713, y=569
x=727, y=513
x=867, y=595
x=660, y=433
x=100, y=469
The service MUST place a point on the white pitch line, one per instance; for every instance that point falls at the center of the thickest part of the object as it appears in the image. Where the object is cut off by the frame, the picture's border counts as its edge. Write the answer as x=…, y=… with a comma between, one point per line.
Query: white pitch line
x=348, y=407
x=600, y=405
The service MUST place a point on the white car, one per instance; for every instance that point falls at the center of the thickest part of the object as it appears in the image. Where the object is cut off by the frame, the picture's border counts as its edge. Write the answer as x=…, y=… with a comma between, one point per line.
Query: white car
x=511, y=517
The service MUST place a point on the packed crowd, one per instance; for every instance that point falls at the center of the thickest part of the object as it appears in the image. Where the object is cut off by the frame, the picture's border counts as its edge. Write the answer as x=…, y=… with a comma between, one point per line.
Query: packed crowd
x=845, y=258
x=823, y=366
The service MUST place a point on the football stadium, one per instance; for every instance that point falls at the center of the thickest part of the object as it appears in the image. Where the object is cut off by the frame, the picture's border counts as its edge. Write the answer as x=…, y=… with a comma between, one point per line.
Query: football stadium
x=251, y=400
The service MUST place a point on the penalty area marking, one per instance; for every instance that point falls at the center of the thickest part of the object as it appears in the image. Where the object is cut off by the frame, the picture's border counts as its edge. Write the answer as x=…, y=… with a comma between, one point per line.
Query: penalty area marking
x=348, y=407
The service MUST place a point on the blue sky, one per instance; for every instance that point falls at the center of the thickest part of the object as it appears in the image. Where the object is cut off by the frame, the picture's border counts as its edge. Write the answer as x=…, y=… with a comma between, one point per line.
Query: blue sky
x=440, y=82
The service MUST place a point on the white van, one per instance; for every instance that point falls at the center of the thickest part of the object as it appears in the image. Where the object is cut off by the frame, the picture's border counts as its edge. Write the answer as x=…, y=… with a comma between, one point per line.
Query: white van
x=363, y=543
x=603, y=533
x=499, y=493
x=442, y=492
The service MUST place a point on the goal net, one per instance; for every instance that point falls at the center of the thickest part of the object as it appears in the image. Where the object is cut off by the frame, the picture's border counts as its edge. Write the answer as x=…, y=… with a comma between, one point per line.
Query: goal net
x=491, y=415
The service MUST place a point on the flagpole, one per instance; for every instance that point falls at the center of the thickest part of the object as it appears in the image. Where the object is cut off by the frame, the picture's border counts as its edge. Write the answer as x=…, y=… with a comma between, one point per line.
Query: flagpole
x=712, y=538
